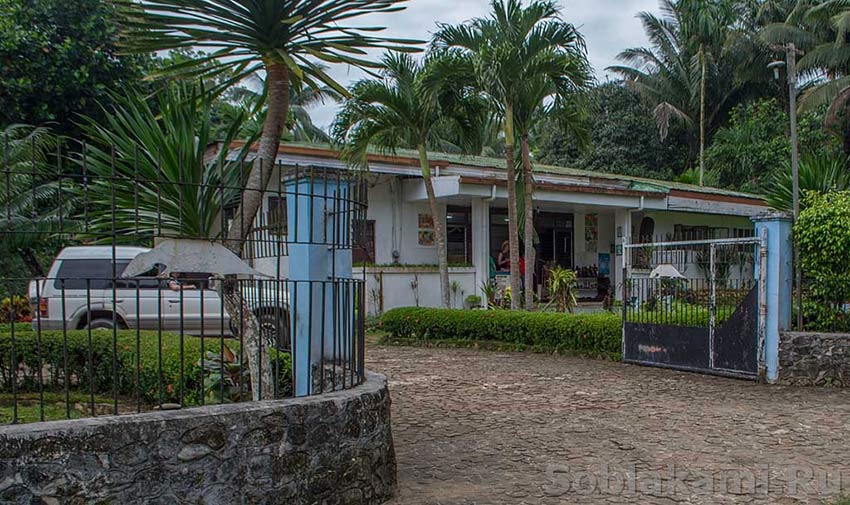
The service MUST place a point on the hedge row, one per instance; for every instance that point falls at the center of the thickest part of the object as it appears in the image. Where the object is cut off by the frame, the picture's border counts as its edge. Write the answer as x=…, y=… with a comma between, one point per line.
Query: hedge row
x=50, y=352
x=585, y=334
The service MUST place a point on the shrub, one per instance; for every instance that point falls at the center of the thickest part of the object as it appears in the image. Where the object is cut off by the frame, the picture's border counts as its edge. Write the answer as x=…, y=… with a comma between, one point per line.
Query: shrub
x=17, y=307
x=585, y=334
x=822, y=233
x=49, y=353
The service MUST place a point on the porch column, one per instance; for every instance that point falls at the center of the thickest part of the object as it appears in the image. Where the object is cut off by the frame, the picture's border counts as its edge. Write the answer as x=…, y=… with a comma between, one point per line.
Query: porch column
x=778, y=285
x=622, y=233
x=481, y=242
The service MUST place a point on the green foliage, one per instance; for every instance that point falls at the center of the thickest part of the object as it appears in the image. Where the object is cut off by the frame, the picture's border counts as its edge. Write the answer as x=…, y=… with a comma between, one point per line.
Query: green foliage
x=32, y=204
x=754, y=144
x=623, y=138
x=15, y=308
x=299, y=35
x=677, y=313
x=60, y=60
x=819, y=173
x=561, y=285
x=585, y=334
x=695, y=46
x=48, y=353
x=822, y=233
x=172, y=184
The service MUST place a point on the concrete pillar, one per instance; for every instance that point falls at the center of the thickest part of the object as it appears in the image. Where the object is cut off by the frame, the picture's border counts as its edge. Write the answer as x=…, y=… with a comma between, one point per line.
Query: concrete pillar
x=317, y=305
x=622, y=233
x=481, y=242
x=779, y=275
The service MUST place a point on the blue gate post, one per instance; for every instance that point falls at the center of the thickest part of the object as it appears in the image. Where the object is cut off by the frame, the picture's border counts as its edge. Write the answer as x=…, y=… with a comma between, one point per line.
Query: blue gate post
x=778, y=284
x=315, y=216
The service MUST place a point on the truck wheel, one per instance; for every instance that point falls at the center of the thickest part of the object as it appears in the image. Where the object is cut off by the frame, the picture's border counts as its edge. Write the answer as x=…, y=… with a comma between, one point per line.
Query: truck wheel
x=101, y=324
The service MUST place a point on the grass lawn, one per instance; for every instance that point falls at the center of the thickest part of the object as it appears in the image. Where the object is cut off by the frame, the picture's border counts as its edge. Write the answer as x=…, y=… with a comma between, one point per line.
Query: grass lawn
x=29, y=407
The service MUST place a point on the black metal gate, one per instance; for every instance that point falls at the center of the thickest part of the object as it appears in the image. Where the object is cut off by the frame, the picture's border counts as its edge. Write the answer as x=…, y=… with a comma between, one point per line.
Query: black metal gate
x=695, y=305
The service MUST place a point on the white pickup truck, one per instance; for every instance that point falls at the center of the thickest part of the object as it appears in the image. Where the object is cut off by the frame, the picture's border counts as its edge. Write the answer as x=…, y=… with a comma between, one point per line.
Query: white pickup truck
x=82, y=278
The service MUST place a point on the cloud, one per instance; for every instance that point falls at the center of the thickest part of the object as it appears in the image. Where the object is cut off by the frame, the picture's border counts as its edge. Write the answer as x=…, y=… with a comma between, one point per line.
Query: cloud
x=609, y=26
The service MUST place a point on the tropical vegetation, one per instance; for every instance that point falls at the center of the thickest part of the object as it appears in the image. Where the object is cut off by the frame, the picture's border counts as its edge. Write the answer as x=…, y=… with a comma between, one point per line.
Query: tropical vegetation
x=165, y=78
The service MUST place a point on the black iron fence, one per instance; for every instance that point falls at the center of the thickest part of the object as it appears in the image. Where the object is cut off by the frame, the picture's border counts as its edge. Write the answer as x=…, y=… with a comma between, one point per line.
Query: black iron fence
x=826, y=305
x=127, y=291
x=684, y=283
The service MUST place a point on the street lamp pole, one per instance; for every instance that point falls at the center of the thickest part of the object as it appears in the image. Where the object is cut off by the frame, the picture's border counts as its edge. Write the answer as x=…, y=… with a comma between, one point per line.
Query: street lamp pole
x=791, y=57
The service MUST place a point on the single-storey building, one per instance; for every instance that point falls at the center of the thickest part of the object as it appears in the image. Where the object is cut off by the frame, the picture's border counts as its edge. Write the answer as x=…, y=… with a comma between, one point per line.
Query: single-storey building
x=582, y=220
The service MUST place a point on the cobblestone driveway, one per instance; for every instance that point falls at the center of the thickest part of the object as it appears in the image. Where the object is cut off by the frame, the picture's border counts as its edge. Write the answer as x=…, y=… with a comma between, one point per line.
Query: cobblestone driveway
x=479, y=427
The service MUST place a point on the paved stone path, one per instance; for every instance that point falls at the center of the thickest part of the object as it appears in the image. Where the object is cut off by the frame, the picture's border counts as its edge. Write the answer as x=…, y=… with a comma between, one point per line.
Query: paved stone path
x=480, y=427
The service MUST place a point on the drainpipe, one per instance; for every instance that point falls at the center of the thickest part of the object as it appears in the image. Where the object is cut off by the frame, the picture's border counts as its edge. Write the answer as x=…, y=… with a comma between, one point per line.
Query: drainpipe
x=492, y=196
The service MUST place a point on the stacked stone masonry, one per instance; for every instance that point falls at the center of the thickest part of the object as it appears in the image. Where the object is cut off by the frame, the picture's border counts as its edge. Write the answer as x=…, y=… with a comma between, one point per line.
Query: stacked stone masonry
x=814, y=359
x=333, y=449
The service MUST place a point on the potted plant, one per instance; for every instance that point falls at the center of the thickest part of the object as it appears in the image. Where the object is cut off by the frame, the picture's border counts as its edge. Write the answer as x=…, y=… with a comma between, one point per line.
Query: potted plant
x=473, y=302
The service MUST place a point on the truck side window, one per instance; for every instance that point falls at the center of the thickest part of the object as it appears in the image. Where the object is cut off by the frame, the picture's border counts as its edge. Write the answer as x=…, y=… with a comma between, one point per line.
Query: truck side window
x=97, y=273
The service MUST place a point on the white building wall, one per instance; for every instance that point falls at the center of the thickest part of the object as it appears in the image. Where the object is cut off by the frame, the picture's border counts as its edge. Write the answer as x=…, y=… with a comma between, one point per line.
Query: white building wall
x=397, y=225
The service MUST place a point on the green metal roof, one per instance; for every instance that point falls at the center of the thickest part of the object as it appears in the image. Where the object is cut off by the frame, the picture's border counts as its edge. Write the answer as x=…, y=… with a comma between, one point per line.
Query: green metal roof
x=635, y=183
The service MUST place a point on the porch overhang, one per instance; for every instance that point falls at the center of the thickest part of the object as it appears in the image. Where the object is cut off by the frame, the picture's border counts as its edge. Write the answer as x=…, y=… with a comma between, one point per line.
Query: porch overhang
x=456, y=187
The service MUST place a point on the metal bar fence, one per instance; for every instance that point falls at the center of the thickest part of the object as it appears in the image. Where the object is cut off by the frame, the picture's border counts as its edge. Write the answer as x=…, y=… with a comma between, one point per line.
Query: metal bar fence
x=84, y=340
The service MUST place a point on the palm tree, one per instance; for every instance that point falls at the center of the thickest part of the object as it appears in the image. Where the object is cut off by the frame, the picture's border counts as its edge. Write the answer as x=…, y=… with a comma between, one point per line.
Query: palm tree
x=288, y=40
x=705, y=24
x=819, y=30
x=819, y=173
x=562, y=73
x=33, y=204
x=514, y=43
x=684, y=77
x=299, y=124
x=404, y=110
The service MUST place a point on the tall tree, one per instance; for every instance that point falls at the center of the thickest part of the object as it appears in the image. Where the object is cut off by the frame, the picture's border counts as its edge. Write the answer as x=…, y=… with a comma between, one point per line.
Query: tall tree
x=285, y=39
x=514, y=43
x=60, y=60
x=404, y=110
x=705, y=25
x=558, y=74
x=623, y=138
x=819, y=29
x=677, y=77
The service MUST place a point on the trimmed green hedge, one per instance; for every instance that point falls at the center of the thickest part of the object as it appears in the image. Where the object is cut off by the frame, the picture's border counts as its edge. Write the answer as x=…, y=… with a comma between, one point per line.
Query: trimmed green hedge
x=105, y=378
x=597, y=335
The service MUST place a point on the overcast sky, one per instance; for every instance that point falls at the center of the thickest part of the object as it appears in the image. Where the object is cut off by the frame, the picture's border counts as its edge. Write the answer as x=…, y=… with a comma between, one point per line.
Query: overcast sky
x=608, y=26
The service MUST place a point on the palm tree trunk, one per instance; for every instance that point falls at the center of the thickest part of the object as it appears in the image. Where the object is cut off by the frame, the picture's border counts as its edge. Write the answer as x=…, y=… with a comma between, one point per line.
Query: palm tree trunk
x=252, y=196
x=513, y=225
x=530, y=253
x=439, y=228
x=702, y=118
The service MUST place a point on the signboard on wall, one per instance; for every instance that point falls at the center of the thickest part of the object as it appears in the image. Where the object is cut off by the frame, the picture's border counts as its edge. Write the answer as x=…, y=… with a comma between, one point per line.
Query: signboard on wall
x=604, y=264
x=427, y=237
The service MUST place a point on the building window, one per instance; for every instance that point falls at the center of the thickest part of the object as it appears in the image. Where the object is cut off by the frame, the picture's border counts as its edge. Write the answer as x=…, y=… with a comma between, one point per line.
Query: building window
x=363, y=251
x=277, y=218
x=459, y=235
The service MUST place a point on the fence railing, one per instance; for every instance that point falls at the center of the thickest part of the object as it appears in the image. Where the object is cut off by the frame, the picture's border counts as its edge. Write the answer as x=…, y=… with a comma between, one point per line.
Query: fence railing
x=227, y=317
x=687, y=283
x=826, y=306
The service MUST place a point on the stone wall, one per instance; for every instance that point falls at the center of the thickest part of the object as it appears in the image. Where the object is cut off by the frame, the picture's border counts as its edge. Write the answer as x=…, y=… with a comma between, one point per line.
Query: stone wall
x=814, y=359
x=331, y=449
